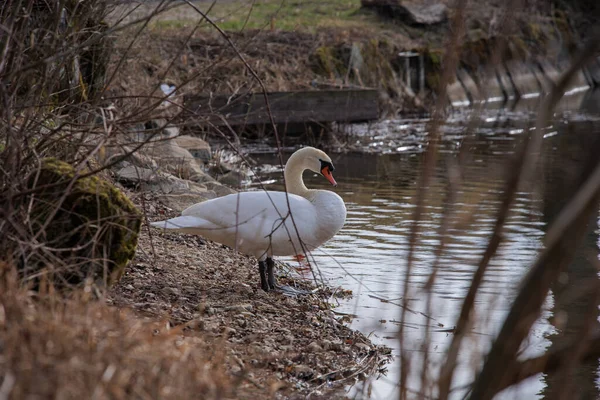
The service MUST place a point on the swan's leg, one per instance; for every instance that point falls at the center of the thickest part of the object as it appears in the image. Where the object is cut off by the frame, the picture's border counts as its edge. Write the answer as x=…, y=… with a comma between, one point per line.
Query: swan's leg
x=270, y=275
x=262, y=270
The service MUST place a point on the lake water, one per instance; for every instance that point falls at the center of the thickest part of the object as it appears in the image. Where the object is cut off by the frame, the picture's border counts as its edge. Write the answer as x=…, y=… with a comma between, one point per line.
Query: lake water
x=369, y=255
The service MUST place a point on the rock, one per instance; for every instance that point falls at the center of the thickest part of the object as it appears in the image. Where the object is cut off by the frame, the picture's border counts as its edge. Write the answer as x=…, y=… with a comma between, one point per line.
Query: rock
x=161, y=182
x=362, y=346
x=209, y=310
x=303, y=371
x=233, y=178
x=96, y=221
x=180, y=202
x=124, y=156
x=228, y=331
x=336, y=346
x=202, y=177
x=241, y=320
x=326, y=344
x=170, y=131
x=240, y=307
x=170, y=184
x=219, y=189
x=412, y=12
x=197, y=187
x=314, y=347
x=136, y=134
x=133, y=174
x=425, y=14
x=196, y=146
x=173, y=158
x=154, y=124
x=288, y=339
x=288, y=348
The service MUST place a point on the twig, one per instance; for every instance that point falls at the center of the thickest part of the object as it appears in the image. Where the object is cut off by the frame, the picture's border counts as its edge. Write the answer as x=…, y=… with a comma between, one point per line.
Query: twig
x=561, y=240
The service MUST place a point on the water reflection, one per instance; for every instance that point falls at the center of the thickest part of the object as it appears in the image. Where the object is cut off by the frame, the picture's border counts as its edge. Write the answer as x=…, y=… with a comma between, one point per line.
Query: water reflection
x=573, y=155
x=379, y=190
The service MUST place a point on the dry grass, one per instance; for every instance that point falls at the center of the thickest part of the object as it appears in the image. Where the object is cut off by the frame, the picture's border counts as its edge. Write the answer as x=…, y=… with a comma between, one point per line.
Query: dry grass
x=69, y=348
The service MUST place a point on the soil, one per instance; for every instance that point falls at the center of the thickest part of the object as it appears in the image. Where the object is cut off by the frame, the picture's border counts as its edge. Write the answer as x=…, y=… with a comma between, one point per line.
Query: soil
x=280, y=346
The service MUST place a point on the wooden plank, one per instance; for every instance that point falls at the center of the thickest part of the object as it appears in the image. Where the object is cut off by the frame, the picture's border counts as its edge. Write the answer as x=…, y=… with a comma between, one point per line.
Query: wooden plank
x=286, y=107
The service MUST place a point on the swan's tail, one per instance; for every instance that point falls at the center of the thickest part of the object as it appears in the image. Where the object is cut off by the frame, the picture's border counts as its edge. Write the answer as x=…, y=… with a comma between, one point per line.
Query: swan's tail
x=181, y=223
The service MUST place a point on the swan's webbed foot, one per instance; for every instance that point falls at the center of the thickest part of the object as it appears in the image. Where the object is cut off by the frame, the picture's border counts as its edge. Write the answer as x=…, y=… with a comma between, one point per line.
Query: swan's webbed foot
x=268, y=282
x=291, y=291
x=286, y=290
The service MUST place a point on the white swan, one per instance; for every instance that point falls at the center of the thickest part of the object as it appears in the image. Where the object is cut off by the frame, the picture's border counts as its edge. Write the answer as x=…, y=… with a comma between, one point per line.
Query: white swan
x=259, y=223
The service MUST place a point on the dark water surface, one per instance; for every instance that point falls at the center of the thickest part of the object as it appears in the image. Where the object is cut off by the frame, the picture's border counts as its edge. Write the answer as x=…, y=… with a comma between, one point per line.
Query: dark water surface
x=369, y=255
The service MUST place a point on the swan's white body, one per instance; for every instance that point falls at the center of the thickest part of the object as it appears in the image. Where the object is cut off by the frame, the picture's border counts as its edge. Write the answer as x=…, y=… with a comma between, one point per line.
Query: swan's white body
x=259, y=223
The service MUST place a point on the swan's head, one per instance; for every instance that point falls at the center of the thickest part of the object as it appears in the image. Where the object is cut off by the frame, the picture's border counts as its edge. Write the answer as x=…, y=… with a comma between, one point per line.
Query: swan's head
x=316, y=161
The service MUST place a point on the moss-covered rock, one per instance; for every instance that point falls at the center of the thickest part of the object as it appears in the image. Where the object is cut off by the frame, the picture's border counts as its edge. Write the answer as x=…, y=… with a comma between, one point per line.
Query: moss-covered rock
x=87, y=227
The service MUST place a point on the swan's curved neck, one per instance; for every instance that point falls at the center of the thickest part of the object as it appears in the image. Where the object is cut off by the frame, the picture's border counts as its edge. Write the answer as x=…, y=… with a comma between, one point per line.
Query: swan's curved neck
x=293, y=177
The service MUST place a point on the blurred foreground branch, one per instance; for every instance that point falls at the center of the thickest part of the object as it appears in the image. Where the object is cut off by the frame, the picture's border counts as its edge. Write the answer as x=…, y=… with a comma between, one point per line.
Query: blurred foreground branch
x=561, y=242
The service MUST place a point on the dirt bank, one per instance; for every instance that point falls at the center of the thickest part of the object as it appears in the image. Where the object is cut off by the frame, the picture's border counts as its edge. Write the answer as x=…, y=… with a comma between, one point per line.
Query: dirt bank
x=340, y=43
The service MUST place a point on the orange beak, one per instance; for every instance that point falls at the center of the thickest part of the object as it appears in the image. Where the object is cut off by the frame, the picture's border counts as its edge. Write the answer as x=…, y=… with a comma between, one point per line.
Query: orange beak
x=327, y=174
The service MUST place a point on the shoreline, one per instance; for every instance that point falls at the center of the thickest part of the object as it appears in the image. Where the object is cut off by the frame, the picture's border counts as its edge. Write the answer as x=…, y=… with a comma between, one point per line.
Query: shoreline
x=289, y=346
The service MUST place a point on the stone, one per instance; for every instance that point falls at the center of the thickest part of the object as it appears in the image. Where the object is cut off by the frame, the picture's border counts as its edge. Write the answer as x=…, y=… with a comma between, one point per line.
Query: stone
x=314, y=347
x=336, y=346
x=428, y=12
x=154, y=124
x=326, y=344
x=136, y=134
x=180, y=202
x=362, y=346
x=240, y=307
x=133, y=174
x=160, y=182
x=196, y=146
x=120, y=155
x=197, y=188
x=170, y=132
x=168, y=184
x=96, y=221
x=233, y=178
x=219, y=189
x=202, y=177
x=209, y=310
x=228, y=331
x=173, y=158
x=303, y=371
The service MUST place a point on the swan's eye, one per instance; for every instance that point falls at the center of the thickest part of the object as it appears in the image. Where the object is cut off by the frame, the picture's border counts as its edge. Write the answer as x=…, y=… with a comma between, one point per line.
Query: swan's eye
x=326, y=164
